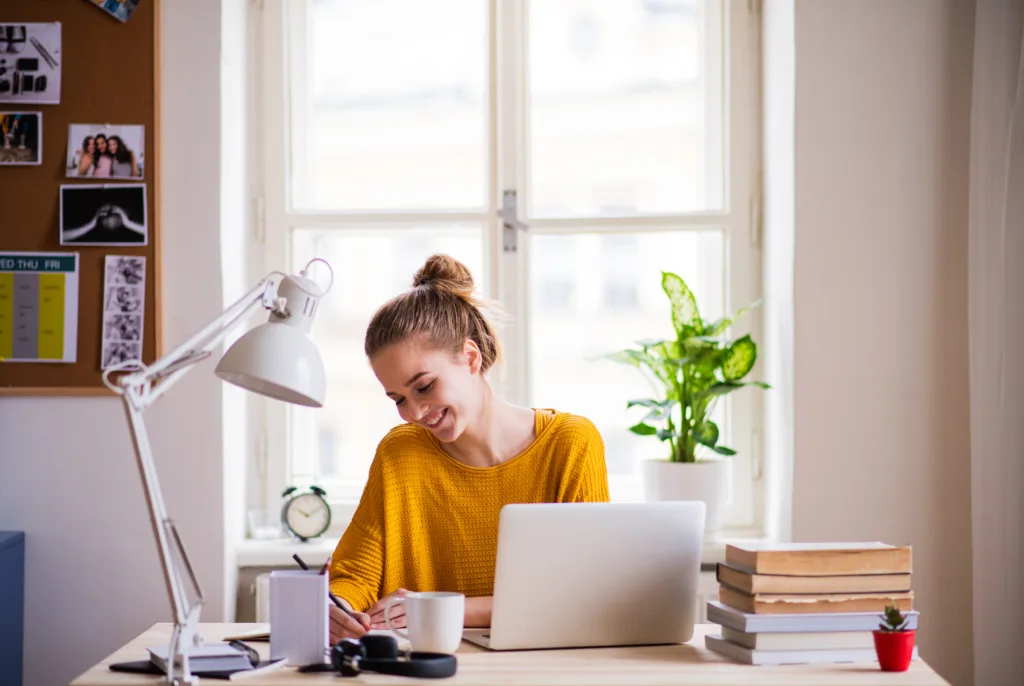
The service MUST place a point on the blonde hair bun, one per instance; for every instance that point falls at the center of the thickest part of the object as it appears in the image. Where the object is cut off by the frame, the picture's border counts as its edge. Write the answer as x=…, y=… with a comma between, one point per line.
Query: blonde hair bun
x=445, y=273
x=442, y=305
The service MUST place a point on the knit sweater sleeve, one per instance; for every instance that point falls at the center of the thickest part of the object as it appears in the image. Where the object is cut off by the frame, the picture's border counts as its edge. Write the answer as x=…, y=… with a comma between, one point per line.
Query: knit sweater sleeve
x=586, y=475
x=357, y=564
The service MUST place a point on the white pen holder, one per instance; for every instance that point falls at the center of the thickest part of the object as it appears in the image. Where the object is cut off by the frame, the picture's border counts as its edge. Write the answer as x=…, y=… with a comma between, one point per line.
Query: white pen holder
x=299, y=623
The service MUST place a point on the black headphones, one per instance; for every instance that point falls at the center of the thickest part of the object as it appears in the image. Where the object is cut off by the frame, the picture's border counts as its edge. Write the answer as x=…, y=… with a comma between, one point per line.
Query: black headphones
x=379, y=653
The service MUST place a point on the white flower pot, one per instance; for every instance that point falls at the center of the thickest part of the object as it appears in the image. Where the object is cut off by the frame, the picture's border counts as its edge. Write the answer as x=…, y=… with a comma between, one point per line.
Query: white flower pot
x=705, y=481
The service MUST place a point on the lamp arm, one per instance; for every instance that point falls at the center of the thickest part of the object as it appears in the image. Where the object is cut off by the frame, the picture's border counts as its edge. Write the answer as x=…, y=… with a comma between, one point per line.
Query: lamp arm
x=154, y=380
x=138, y=389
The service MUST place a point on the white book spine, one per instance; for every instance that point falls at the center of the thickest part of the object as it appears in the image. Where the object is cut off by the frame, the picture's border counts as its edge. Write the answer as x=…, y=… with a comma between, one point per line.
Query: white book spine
x=789, y=657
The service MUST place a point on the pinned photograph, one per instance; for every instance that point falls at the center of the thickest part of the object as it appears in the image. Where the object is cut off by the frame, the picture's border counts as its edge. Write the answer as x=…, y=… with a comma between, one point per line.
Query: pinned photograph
x=123, y=327
x=120, y=9
x=119, y=352
x=103, y=215
x=21, y=138
x=106, y=151
x=125, y=270
x=30, y=63
x=124, y=305
x=124, y=299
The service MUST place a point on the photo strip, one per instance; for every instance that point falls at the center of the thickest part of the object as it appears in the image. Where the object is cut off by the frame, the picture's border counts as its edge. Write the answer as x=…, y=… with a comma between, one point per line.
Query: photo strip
x=106, y=151
x=103, y=215
x=30, y=63
x=124, y=304
x=21, y=138
x=119, y=9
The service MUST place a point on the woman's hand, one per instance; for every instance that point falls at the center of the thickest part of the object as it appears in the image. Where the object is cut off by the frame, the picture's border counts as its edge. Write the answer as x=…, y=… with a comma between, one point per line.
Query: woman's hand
x=397, y=613
x=343, y=626
x=478, y=612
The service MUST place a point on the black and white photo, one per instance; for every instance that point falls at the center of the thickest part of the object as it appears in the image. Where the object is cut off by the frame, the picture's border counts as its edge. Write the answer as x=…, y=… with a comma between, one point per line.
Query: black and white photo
x=121, y=351
x=125, y=270
x=123, y=327
x=21, y=138
x=106, y=151
x=124, y=306
x=124, y=299
x=103, y=215
x=30, y=63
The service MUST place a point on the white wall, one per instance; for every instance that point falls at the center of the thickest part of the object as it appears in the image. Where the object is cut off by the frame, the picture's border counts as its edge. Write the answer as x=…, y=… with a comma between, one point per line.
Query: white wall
x=883, y=93
x=69, y=478
x=235, y=222
x=779, y=48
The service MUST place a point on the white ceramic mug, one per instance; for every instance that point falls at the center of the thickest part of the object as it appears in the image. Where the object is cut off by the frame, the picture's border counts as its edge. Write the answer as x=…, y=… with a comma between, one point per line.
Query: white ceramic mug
x=434, y=620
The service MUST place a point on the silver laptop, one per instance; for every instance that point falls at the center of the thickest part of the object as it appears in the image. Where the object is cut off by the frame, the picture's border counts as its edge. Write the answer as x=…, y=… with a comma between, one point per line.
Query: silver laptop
x=594, y=574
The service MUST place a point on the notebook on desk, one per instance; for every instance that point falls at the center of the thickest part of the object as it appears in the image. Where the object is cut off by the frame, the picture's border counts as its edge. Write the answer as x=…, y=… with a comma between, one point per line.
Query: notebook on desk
x=628, y=572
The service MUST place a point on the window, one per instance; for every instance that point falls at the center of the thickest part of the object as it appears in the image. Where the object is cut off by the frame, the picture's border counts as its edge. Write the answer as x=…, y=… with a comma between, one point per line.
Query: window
x=621, y=136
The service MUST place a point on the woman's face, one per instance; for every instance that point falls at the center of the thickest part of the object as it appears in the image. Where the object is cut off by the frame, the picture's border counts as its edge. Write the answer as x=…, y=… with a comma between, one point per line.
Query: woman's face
x=101, y=145
x=90, y=145
x=112, y=146
x=432, y=388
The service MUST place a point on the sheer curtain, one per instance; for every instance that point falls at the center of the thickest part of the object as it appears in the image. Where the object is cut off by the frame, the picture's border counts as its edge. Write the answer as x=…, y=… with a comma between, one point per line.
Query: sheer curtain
x=996, y=321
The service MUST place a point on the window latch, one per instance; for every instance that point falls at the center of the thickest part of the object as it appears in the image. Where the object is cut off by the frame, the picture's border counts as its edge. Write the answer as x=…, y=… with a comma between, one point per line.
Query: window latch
x=510, y=223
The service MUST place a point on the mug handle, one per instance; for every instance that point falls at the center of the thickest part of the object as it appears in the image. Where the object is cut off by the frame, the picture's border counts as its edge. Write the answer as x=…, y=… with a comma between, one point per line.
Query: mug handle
x=387, y=616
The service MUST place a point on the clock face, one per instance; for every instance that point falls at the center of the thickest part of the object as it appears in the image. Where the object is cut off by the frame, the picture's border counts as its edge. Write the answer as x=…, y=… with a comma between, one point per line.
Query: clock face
x=307, y=515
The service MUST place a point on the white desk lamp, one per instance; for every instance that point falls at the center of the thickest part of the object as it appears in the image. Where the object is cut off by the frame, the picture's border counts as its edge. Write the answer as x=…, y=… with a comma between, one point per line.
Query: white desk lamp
x=276, y=359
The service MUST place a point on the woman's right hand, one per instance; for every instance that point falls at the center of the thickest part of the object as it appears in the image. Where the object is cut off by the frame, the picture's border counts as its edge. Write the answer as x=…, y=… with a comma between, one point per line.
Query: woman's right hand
x=343, y=626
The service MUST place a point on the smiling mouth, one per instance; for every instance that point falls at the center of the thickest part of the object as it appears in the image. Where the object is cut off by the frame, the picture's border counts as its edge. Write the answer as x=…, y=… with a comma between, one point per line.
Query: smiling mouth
x=435, y=421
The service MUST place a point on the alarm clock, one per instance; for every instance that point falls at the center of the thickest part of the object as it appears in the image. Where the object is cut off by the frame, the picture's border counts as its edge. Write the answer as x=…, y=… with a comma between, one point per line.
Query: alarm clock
x=305, y=514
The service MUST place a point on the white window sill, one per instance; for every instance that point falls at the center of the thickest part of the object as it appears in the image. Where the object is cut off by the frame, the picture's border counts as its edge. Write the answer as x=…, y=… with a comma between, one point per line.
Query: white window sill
x=278, y=553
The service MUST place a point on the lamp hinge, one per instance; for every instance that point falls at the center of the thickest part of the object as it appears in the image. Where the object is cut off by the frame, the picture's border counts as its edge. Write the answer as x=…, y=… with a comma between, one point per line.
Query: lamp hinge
x=756, y=214
x=754, y=6
x=510, y=224
x=259, y=219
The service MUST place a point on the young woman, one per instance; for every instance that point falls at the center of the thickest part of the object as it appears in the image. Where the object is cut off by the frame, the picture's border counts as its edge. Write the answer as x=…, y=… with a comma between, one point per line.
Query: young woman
x=123, y=158
x=102, y=160
x=428, y=516
x=86, y=161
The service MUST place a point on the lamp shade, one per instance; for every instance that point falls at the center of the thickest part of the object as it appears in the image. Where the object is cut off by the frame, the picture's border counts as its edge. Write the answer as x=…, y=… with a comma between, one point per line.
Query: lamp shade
x=278, y=361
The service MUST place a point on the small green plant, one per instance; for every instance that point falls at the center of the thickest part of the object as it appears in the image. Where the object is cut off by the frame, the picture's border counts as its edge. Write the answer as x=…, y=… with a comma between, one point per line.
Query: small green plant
x=894, y=620
x=690, y=373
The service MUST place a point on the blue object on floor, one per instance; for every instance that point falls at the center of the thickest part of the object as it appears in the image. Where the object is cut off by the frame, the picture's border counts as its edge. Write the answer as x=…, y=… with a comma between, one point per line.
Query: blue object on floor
x=12, y=605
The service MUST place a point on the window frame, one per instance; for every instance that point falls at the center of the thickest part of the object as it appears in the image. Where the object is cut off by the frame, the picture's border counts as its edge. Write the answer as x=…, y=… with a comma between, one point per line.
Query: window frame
x=273, y=57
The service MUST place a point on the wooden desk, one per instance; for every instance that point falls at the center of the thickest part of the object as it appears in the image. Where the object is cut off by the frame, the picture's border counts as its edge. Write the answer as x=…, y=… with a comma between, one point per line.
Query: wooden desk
x=685, y=665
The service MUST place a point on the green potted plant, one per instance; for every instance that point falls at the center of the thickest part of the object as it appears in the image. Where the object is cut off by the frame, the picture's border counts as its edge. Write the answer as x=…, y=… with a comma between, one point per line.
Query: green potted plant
x=894, y=642
x=690, y=373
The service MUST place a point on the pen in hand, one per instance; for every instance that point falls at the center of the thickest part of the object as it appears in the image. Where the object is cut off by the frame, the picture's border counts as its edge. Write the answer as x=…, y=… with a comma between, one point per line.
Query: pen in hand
x=323, y=570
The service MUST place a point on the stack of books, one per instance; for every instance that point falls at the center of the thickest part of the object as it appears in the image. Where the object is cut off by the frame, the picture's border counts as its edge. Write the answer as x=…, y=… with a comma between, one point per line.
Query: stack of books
x=808, y=603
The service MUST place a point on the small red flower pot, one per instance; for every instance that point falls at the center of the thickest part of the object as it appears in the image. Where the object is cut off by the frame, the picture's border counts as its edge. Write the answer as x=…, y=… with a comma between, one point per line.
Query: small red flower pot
x=894, y=649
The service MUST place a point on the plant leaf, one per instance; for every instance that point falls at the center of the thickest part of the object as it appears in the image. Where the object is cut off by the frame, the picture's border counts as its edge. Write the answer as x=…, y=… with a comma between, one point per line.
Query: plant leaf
x=649, y=342
x=644, y=402
x=722, y=450
x=724, y=323
x=665, y=434
x=739, y=359
x=725, y=387
x=706, y=434
x=630, y=357
x=642, y=429
x=684, y=305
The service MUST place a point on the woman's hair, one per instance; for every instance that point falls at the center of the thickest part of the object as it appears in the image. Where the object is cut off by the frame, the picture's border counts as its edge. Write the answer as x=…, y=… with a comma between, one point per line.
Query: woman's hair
x=123, y=154
x=106, y=147
x=441, y=306
x=85, y=144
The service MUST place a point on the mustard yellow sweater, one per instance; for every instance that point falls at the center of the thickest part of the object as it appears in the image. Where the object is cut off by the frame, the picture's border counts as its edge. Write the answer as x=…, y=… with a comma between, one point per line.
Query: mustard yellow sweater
x=427, y=522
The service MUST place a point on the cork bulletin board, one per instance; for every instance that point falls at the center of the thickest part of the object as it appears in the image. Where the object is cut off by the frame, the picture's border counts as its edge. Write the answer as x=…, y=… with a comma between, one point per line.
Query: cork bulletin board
x=108, y=82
